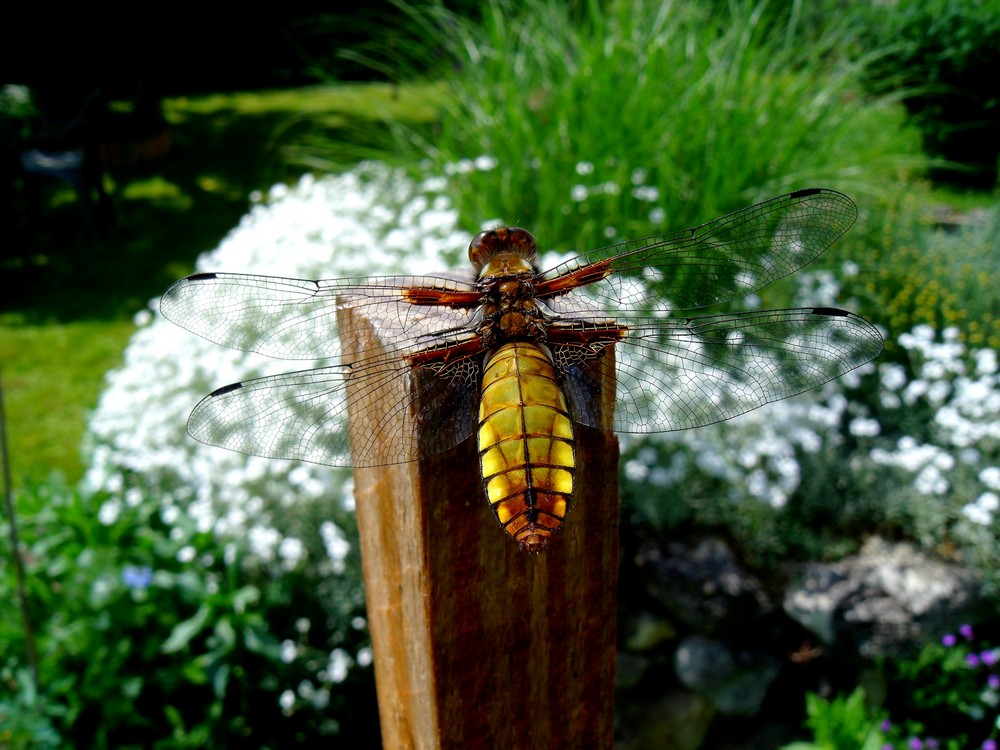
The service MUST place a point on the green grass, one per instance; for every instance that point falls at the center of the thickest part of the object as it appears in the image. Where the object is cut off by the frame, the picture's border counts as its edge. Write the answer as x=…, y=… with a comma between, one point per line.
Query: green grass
x=713, y=106
x=52, y=374
x=67, y=299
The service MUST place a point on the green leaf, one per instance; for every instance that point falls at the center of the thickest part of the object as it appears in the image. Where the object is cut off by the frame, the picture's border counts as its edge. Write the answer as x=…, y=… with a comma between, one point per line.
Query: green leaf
x=219, y=672
x=175, y=718
x=225, y=633
x=260, y=641
x=183, y=632
x=245, y=597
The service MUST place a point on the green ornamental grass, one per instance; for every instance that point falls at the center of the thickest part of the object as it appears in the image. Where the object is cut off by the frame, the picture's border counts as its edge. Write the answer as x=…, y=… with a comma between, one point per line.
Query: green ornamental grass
x=613, y=120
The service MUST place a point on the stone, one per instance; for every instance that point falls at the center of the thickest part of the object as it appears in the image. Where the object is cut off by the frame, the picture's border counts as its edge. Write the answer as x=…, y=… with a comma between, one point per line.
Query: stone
x=887, y=600
x=702, y=587
x=734, y=679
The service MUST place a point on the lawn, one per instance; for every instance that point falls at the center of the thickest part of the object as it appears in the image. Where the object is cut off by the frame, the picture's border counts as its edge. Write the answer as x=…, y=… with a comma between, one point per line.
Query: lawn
x=68, y=298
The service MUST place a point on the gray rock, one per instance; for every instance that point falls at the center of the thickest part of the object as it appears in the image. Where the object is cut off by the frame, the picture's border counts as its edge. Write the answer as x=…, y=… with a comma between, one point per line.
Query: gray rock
x=734, y=680
x=702, y=587
x=886, y=600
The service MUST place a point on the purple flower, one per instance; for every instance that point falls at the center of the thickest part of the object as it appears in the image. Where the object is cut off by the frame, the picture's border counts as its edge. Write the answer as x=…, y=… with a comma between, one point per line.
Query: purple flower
x=972, y=660
x=885, y=726
x=966, y=631
x=989, y=745
x=932, y=744
x=949, y=640
x=887, y=746
x=136, y=577
x=989, y=657
x=914, y=743
x=993, y=681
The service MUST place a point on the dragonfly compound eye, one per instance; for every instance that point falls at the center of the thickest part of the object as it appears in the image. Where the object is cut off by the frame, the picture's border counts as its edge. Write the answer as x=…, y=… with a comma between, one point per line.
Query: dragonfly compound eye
x=487, y=245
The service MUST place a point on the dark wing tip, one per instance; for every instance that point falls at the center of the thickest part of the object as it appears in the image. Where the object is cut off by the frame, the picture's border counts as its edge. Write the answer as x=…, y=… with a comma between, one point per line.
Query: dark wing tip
x=833, y=312
x=225, y=389
x=805, y=193
x=176, y=290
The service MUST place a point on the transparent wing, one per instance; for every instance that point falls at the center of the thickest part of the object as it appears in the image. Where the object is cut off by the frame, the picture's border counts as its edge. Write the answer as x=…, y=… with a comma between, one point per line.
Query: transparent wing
x=303, y=415
x=671, y=373
x=723, y=260
x=676, y=374
x=297, y=319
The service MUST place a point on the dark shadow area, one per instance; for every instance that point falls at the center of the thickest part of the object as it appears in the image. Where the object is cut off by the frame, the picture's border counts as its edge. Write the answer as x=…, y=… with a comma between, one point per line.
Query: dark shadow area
x=55, y=267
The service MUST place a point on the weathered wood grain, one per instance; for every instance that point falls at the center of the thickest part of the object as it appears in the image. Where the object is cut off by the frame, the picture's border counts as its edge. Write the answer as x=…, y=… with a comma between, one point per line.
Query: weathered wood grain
x=478, y=644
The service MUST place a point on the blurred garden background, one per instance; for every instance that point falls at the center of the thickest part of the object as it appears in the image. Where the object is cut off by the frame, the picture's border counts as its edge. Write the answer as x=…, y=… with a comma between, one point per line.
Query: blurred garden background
x=820, y=573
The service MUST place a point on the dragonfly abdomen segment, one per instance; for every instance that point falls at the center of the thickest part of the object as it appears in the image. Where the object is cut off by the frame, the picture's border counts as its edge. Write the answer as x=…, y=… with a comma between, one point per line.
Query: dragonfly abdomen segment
x=525, y=443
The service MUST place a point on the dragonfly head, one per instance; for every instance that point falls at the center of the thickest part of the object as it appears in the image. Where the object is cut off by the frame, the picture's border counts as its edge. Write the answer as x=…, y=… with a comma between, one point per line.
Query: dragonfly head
x=492, y=243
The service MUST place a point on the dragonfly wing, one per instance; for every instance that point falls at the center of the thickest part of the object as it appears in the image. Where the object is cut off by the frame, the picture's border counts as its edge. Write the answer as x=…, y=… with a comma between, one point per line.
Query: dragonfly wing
x=304, y=415
x=676, y=374
x=722, y=260
x=296, y=318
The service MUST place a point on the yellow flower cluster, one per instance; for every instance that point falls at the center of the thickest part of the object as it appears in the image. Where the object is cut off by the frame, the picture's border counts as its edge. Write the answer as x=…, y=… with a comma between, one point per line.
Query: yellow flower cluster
x=928, y=274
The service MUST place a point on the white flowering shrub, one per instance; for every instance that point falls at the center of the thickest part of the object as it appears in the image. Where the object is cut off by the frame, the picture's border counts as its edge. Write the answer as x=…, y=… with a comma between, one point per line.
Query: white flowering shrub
x=917, y=451
x=755, y=473
x=290, y=517
x=750, y=475
x=936, y=462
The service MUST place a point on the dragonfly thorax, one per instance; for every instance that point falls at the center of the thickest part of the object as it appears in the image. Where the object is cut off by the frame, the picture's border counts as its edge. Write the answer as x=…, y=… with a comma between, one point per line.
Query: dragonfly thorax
x=510, y=311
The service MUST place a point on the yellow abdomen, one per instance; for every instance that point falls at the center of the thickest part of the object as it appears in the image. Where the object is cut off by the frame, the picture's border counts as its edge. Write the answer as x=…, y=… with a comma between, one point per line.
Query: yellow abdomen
x=525, y=443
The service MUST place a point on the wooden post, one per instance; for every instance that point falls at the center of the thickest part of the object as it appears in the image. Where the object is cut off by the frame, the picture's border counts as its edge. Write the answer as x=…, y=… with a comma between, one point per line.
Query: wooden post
x=478, y=644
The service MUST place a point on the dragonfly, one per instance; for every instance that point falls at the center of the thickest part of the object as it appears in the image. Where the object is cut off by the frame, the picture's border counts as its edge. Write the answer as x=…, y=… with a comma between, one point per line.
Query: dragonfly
x=507, y=353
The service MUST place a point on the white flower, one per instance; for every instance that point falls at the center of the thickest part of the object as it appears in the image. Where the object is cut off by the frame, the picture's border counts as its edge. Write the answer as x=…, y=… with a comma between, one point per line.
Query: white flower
x=291, y=551
x=486, y=163
x=990, y=476
x=988, y=501
x=930, y=481
x=863, y=427
x=434, y=184
x=983, y=509
x=335, y=542
x=986, y=361
x=109, y=511
x=635, y=471
x=340, y=662
x=647, y=193
x=892, y=376
x=913, y=391
x=287, y=702
x=462, y=166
